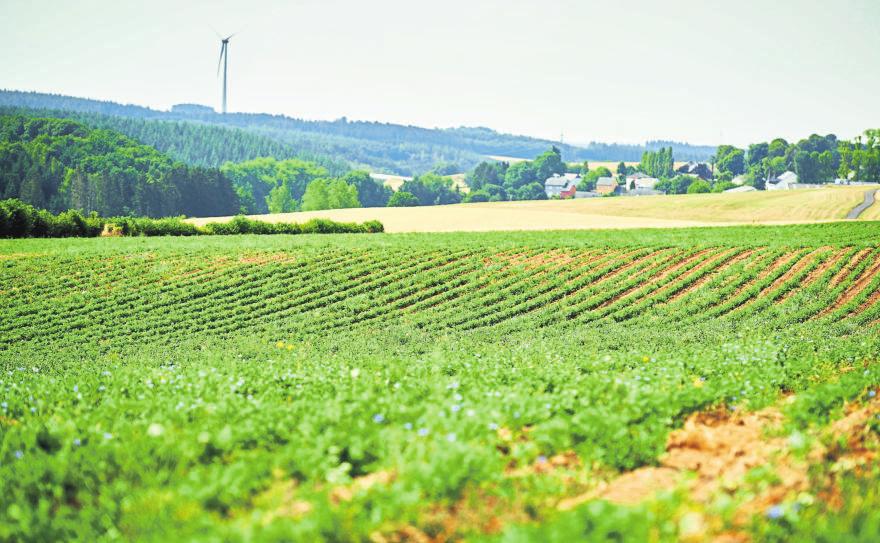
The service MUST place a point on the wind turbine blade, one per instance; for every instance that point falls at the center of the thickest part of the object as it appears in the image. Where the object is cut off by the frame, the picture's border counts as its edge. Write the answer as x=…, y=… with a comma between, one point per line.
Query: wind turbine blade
x=220, y=60
x=214, y=30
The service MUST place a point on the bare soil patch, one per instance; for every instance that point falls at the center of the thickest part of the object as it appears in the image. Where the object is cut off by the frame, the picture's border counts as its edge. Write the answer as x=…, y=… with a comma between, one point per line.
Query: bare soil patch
x=266, y=258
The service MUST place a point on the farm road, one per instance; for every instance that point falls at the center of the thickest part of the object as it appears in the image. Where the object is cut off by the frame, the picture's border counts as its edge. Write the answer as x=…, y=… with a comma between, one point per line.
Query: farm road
x=869, y=201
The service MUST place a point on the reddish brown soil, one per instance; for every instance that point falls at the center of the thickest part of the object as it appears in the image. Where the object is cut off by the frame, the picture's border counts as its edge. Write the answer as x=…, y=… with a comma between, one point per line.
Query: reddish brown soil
x=844, y=271
x=709, y=276
x=265, y=258
x=795, y=269
x=783, y=260
x=717, y=446
x=666, y=272
x=855, y=289
x=817, y=273
x=708, y=263
x=623, y=270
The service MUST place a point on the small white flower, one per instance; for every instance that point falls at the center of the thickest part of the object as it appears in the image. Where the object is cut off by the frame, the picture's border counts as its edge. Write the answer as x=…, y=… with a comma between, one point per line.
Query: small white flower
x=155, y=430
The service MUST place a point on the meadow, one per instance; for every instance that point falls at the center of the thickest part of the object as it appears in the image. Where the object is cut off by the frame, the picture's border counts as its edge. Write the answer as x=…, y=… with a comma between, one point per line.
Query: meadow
x=777, y=207
x=638, y=385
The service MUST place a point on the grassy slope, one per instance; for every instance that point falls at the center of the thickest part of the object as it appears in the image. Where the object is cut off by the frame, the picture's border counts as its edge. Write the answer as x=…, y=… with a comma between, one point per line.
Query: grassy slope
x=798, y=206
x=873, y=212
x=253, y=387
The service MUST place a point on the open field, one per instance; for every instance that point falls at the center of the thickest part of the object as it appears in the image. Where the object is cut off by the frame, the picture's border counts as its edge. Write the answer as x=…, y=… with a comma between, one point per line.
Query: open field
x=662, y=385
x=873, y=212
x=796, y=206
x=395, y=181
x=610, y=164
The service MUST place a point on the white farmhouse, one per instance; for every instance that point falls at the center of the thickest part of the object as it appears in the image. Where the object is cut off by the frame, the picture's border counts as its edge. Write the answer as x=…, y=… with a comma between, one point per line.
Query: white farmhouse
x=640, y=180
x=786, y=181
x=789, y=181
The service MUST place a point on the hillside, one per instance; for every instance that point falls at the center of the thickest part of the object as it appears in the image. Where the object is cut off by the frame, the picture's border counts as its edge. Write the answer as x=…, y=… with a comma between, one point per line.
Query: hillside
x=196, y=144
x=493, y=386
x=796, y=206
x=382, y=147
x=59, y=164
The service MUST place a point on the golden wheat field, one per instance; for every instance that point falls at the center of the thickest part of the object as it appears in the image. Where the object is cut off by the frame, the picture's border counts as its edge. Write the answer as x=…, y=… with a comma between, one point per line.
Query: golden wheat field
x=798, y=206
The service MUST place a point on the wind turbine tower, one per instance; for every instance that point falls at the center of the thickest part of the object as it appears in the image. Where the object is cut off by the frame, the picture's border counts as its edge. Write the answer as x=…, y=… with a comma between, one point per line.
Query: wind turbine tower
x=224, y=58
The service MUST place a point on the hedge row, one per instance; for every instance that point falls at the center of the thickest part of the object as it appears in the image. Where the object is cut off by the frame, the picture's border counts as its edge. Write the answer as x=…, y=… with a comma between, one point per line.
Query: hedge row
x=20, y=220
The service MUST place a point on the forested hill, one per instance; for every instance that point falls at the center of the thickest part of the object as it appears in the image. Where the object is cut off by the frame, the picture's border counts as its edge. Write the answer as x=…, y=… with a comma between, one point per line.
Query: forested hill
x=60, y=164
x=197, y=144
x=378, y=146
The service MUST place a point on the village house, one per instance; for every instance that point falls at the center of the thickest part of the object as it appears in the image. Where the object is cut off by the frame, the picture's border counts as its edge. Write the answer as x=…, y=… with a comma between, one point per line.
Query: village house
x=561, y=186
x=789, y=181
x=607, y=185
x=640, y=180
x=786, y=181
x=699, y=169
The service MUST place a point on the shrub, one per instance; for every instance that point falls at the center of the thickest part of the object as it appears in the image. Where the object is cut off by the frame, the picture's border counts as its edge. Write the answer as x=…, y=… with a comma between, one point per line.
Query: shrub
x=374, y=227
x=721, y=186
x=477, y=196
x=20, y=220
x=403, y=199
x=699, y=187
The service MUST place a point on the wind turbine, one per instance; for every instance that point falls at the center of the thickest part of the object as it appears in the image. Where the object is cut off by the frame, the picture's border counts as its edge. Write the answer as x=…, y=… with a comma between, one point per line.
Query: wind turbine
x=224, y=57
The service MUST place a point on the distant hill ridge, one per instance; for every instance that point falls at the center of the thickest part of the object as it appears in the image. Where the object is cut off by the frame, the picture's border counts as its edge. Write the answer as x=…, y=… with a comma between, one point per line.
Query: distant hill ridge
x=384, y=147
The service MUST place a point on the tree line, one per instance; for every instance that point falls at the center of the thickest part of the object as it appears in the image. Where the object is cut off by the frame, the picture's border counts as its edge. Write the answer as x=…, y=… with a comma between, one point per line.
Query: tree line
x=399, y=149
x=498, y=181
x=20, y=220
x=59, y=164
x=860, y=159
x=815, y=160
x=196, y=144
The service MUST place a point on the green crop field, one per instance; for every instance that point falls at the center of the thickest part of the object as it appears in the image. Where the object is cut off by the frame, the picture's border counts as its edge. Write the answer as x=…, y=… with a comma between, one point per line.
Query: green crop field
x=640, y=385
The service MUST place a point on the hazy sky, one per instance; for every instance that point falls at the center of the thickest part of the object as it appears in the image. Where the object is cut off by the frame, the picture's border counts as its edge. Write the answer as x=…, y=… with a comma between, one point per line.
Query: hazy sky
x=702, y=71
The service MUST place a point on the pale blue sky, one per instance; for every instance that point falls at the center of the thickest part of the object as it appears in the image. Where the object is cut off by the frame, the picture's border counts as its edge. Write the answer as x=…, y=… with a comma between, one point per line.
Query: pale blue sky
x=624, y=70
